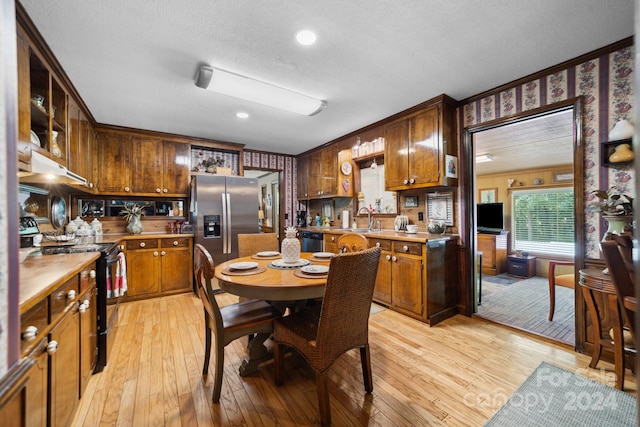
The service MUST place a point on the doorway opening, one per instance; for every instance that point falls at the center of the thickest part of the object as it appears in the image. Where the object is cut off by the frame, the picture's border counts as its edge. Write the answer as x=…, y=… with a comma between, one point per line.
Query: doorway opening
x=269, y=201
x=528, y=166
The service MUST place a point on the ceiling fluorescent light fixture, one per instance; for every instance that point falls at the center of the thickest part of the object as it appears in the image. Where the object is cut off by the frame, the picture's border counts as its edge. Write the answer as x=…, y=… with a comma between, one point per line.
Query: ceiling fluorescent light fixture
x=483, y=158
x=231, y=84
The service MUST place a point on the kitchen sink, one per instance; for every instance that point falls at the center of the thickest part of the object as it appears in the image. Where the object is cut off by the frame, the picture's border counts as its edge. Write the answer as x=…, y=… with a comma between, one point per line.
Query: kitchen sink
x=356, y=230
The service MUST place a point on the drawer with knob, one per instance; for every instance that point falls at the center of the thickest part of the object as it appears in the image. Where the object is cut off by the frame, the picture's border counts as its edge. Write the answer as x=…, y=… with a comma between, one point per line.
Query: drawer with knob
x=180, y=242
x=63, y=298
x=142, y=244
x=33, y=323
x=412, y=248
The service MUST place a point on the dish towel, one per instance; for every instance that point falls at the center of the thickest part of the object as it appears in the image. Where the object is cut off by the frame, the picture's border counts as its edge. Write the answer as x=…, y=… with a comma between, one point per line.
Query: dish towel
x=120, y=285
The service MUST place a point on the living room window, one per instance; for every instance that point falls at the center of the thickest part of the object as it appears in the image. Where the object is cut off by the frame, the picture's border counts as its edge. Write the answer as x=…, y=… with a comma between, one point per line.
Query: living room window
x=542, y=221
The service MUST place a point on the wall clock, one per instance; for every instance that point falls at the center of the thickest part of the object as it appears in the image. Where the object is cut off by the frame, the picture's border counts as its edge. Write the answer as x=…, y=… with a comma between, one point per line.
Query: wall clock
x=346, y=168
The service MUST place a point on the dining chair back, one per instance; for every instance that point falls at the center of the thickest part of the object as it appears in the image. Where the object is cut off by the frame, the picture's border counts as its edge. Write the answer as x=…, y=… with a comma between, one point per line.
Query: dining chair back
x=621, y=274
x=352, y=242
x=249, y=244
x=227, y=323
x=323, y=332
x=567, y=280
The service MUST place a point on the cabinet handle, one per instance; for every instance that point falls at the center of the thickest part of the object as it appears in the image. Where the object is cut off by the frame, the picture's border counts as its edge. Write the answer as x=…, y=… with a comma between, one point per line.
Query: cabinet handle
x=82, y=308
x=164, y=190
x=92, y=274
x=158, y=190
x=143, y=244
x=394, y=259
x=388, y=257
x=30, y=333
x=86, y=303
x=175, y=243
x=71, y=294
x=126, y=188
x=333, y=239
x=405, y=248
x=52, y=347
x=155, y=253
x=412, y=181
x=91, y=185
x=405, y=182
x=377, y=244
x=163, y=253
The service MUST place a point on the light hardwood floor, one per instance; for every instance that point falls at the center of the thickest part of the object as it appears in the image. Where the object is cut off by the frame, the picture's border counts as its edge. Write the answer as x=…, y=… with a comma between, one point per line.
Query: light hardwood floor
x=456, y=373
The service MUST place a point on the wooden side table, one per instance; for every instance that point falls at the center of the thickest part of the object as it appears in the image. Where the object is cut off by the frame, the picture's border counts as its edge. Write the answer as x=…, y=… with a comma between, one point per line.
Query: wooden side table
x=593, y=280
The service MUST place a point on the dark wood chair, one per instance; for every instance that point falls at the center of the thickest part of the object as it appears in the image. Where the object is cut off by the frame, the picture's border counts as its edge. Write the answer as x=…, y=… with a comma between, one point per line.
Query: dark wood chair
x=621, y=273
x=226, y=323
x=567, y=280
x=352, y=242
x=325, y=331
x=249, y=244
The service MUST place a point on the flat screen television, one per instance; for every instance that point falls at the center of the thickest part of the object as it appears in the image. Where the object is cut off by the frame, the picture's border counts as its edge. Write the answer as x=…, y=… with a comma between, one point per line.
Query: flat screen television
x=490, y=218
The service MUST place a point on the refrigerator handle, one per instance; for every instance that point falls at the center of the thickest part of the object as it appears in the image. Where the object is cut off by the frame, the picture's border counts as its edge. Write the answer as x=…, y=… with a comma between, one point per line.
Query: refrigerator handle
x=225, y=221
x=228, y=222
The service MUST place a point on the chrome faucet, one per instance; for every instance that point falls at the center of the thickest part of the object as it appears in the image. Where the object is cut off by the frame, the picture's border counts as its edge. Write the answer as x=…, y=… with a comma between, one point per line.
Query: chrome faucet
x=369, y=220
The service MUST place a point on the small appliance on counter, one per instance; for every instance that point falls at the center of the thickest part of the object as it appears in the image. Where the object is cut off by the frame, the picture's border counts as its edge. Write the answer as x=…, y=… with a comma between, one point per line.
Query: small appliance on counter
x=301, y=218
x=28, y=230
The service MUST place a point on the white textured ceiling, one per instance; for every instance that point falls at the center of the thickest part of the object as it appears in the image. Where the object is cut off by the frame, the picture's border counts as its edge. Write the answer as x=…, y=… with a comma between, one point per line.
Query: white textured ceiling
x=134, y=62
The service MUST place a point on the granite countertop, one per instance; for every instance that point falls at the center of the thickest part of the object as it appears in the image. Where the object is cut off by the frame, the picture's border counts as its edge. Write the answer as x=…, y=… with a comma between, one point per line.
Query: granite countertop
x=420, y=236
x=41, y=274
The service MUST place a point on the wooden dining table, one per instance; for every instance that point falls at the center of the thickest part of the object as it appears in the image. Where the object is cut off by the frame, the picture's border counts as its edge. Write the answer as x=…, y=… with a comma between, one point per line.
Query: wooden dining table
x=284, y=286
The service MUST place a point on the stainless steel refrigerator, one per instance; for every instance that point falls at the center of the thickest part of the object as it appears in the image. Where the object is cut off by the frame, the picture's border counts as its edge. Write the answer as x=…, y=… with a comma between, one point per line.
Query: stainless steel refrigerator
x=221, y=208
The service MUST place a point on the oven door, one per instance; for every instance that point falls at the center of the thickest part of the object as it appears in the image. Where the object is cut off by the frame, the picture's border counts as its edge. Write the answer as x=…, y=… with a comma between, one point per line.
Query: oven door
x=111, y=283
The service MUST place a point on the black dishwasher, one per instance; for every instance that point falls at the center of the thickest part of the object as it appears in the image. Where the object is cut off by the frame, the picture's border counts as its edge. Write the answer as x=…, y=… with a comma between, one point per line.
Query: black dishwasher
x=311, y=241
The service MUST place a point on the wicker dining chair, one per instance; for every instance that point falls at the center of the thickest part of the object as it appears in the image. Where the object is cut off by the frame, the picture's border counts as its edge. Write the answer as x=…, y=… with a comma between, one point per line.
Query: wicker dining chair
x=324, y=332
x=352, y=242
x=227, y=323
x=249, y=244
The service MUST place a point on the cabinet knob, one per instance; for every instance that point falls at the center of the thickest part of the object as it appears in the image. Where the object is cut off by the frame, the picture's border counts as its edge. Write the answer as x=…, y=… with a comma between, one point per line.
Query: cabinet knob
x=143, y=244
x=126, y=189
x=30, y=333
x=377, y=244
x=71, y=294
x=87, y=303
x=91, y=185
x=583, y=281
x=82, y=308
x=92, y=274
x=405, y=182
x=412, y=181
x=163, y=253
x=158, y=190
x=52, y=347
x=405, y=248
x=175, y=243
x=394, y=259
x=155, y=253
x=164, y=190
x=388, y=257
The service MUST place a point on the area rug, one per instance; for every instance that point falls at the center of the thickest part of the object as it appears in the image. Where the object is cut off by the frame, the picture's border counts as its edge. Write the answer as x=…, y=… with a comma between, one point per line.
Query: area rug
x=552, y=396
x=501, y=279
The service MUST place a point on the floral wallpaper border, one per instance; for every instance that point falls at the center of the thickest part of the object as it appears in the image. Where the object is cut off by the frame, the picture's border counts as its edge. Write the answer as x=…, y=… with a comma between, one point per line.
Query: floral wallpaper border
x=606, y=85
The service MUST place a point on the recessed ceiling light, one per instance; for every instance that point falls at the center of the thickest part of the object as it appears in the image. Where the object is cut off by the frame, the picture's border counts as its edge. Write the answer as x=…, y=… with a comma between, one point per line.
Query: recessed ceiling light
x=242, y=115
x=306, y=37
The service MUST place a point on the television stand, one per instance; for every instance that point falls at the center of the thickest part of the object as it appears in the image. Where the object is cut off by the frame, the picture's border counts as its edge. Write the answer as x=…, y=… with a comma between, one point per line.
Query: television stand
x=494, y=252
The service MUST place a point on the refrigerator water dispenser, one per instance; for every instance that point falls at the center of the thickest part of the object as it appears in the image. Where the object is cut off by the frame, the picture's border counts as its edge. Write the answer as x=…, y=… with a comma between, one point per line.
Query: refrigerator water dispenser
x=211, y=225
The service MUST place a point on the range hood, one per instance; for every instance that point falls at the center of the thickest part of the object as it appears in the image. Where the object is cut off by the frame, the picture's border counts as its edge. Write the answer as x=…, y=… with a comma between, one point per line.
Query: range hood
x=43, y=170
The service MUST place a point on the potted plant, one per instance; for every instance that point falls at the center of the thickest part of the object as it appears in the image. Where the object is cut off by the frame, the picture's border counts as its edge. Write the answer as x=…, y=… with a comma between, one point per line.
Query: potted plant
x=616, y=208
x=132, y=214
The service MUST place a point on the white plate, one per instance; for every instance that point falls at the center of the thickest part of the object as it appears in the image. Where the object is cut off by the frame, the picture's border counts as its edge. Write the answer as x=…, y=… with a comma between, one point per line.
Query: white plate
x=35, y=139
x=323, y=254
x=243, y=265
x=315, y=269
x=268, y=253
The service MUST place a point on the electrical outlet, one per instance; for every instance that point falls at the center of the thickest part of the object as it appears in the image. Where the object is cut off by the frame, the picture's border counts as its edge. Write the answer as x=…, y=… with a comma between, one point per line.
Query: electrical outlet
x=420, y=216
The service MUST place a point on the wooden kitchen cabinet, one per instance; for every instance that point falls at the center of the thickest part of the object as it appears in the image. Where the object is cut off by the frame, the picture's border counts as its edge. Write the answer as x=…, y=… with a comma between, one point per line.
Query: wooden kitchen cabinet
x=158, y=267
x=416, y=147
x=382, y=289
x=323, y=173
x=494, y=252
x=88, y=335
x=302, y=178
x=80, y=143
x=142, y=166
x=330, y=243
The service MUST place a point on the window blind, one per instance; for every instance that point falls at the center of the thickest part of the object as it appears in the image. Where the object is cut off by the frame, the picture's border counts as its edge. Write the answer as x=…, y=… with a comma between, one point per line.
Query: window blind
x=542, y=220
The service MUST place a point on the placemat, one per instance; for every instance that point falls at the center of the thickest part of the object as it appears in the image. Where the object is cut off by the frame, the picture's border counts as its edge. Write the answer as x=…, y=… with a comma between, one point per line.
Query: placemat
x=304, y=275
x=254, y=256
x=229, y=272
x=312, y=258
x=283, y=266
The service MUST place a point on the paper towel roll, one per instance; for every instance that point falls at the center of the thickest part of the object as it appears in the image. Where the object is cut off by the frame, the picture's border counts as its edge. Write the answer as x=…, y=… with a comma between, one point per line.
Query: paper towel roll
x=345, y=219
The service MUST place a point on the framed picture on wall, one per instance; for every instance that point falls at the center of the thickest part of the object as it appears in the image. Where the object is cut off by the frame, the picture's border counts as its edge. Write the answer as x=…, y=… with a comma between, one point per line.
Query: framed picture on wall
x=411, y=202
x=488, y=195
x=440, y=206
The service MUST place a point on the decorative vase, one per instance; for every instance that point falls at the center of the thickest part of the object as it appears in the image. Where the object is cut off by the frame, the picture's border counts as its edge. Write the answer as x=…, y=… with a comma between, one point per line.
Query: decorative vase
x=622, y=153
x=290, y=247
x=135, y=225
x=617, y=224
x=55, y=149
x=436, y=226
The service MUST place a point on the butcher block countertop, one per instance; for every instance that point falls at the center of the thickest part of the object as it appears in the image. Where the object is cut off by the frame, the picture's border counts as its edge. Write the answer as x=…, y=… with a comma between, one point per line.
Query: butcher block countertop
x=41, y=274
x=420, y=236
